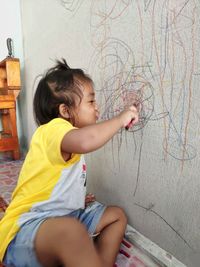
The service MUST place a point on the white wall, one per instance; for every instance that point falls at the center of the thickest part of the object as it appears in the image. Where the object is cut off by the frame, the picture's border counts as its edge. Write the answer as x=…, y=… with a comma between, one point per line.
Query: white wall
x=151, y=47
x=10, y=27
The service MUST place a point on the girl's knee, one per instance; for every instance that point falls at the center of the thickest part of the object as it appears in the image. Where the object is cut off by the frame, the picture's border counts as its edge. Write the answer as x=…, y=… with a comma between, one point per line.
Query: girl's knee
x=118, y=213
x=112, y=216
x=55, y=230
x=59, y=239
x=121, y=214
x=70, y=226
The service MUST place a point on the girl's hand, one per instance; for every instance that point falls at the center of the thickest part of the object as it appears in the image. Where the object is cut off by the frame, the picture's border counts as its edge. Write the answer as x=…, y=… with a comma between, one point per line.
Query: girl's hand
x=89, y=198
x=129, y=117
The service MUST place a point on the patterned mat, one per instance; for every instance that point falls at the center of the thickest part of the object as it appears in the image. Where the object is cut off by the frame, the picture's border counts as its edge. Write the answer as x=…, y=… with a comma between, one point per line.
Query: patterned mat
x=9, y=171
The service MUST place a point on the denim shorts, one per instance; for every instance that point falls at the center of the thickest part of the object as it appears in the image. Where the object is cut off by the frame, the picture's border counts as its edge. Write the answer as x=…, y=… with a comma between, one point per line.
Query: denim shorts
x=21, y=252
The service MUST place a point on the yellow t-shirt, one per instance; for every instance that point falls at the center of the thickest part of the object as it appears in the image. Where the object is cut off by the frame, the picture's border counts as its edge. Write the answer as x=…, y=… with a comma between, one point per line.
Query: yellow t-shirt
x=47, y=185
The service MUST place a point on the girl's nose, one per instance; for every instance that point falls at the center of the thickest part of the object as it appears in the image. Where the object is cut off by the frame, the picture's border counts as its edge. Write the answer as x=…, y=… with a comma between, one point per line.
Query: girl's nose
x=96, y=107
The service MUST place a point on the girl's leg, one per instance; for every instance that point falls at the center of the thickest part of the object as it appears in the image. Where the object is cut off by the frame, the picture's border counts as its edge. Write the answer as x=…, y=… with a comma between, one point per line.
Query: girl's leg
x=112, y=228
x=65, y=242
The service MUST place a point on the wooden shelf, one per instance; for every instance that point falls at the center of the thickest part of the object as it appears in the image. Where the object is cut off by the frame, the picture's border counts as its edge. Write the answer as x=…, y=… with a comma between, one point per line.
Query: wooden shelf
x=10, y=85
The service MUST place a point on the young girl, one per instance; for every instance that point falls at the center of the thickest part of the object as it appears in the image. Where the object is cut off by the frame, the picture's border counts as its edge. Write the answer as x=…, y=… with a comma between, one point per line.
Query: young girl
x=50, y=220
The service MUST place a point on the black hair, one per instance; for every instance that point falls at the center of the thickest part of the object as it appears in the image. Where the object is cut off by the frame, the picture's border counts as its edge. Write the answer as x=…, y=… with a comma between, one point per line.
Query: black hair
x=60, y=85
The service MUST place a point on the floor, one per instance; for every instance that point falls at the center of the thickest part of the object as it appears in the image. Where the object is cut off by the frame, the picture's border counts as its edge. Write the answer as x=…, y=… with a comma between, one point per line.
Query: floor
x=129, y=255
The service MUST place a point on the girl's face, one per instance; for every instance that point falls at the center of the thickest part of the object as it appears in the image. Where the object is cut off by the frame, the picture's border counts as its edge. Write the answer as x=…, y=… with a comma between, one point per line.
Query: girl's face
x=86, y=112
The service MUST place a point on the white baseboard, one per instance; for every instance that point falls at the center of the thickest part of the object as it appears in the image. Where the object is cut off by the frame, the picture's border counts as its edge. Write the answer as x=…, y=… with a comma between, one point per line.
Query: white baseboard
x=158, y=254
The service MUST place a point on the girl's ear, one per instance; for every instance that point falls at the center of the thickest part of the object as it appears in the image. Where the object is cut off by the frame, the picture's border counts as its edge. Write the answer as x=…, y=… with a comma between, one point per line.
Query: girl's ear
x=63, y=111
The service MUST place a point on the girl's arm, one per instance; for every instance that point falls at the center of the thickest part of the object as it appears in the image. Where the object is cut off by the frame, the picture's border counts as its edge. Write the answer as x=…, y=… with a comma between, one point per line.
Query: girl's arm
x=92, y=137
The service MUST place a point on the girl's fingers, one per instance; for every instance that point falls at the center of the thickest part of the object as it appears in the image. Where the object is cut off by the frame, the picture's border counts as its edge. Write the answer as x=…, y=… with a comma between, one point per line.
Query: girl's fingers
x=90, y=198
x=90, y=195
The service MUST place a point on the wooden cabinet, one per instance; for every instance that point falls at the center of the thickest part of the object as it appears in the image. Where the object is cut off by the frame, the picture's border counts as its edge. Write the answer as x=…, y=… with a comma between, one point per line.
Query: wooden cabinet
x=10, y=84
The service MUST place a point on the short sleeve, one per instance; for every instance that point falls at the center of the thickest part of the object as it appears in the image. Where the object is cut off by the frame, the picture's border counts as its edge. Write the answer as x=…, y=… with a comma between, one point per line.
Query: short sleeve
x=52, y=137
